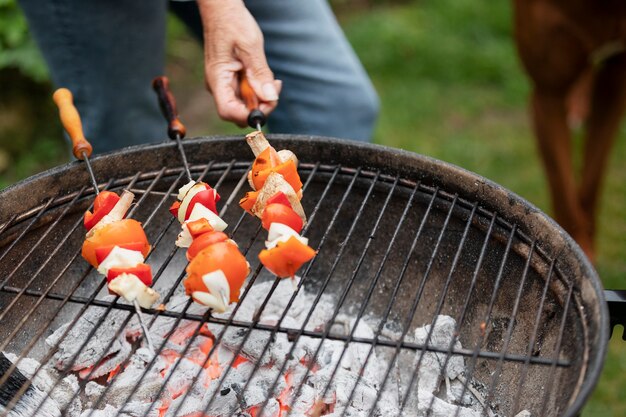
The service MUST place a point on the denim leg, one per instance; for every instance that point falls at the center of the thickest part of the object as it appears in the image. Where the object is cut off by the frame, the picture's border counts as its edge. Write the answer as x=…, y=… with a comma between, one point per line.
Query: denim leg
x=325, y=88
x=106, y=52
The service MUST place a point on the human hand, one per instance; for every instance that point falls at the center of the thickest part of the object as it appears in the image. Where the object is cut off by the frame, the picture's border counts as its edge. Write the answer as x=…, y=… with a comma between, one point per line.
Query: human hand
x=233, y=42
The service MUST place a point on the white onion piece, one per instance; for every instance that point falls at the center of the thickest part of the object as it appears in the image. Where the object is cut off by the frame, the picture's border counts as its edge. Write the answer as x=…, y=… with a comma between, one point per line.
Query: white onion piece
x=217, y=285
x=279, y=229
x=132, y=288
x=182, y=191
x=117, y=213
x=282, y=233
x=209, y=300
x=198, y=187
x=184, y=237
x=120, y=258
x=199, y=211
x=286, y=155
x=219, y=289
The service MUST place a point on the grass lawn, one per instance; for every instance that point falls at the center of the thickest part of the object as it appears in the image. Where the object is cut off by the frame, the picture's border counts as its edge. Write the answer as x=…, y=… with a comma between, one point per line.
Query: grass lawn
x=451, y=87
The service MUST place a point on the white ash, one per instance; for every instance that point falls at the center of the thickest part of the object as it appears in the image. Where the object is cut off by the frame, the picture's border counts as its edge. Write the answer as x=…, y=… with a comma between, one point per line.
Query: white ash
x=104, y=335
x=180, y=378
x=431, y=370
x=440, y=408
x=524, y=413
x=35, y=397
x=277, y=303
x=126, y=381
x=93, y=391
x=133, y=409
x=321, y=385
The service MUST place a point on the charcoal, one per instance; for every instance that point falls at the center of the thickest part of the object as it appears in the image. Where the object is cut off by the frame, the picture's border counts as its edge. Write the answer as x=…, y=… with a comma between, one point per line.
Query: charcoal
x=430, y=371
x=180, y=379
x=42, y=382
x=133, y=409
x=440, y=408
x=93, y=390
x=278, y=302
x=272, y=408
x=189, y=403
x=95, y=347
x=108, y=411
x=126, y=380
x=259, y=385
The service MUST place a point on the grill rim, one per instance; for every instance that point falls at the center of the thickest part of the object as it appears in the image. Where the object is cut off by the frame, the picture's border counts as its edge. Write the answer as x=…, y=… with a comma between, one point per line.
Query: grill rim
x=31, y=192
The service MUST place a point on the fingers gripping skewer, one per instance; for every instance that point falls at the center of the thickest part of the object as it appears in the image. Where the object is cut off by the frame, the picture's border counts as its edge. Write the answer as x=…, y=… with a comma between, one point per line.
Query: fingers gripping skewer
x=175, y=129
x=82, y=150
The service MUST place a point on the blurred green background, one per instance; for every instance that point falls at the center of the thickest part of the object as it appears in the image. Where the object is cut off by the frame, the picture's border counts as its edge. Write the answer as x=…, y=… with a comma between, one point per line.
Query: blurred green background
x=451, y=87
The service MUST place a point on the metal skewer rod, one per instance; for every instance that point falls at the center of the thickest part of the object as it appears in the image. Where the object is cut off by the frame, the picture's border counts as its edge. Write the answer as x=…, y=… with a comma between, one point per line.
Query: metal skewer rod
x=175, y=129
x=179, y=143
x=144, y=328
x=85, y=158
x=82, y=149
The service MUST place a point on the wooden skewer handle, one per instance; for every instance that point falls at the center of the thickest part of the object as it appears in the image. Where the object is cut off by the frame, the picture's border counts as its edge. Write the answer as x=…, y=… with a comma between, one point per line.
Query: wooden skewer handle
x=256, y=116
x=71, y=122
x=247, y=93
x=167, y=103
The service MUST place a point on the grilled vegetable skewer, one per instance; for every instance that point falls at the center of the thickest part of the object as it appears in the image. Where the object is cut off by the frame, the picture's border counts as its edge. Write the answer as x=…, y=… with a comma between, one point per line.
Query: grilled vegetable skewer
x=217, y=270
x=115, y=246
x=275, y=199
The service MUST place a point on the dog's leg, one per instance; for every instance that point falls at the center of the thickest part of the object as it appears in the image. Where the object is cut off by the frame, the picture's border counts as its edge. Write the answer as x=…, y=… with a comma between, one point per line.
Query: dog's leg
x=608, y=103
x=555, y=59
x=555, y=148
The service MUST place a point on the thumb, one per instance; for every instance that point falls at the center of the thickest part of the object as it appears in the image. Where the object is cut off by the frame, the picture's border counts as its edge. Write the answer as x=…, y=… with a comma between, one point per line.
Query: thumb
x=259, y=75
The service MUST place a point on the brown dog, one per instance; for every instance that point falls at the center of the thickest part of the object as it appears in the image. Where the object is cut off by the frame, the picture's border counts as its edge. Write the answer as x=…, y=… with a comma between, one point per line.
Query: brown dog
x=575, y=54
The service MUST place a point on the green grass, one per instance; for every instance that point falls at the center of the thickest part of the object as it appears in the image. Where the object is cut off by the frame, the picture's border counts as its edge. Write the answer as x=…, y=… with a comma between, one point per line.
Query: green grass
x=451, y=87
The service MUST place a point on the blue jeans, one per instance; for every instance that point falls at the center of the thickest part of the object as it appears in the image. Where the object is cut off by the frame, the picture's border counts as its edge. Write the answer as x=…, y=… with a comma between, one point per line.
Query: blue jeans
x=107, y=53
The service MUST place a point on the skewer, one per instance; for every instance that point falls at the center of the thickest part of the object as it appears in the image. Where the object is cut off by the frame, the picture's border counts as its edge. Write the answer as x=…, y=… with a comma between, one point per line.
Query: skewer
x=211, y=280
x=82, y=149
x=256, y=118
x=175, y=129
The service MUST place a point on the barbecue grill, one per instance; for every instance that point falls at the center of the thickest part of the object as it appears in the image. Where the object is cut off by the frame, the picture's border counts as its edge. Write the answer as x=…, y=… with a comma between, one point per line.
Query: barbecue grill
x=403, y=240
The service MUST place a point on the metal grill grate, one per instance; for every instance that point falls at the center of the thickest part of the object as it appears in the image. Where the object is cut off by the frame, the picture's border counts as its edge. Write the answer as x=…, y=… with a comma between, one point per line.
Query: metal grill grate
x=392, y=249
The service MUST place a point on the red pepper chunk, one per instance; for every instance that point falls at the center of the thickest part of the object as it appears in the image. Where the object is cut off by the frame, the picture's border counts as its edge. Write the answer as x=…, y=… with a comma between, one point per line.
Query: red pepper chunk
x=286, y=258
x=279, y=198
x=279, y=213
x=203, y=241
x=199, y=227
x=102, y=205
x=174, y=208
x=207, y=198
x=141, y=271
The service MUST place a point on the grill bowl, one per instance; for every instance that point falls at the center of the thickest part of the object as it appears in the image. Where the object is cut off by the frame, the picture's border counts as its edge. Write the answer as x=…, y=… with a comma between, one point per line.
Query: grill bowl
x=466, y=247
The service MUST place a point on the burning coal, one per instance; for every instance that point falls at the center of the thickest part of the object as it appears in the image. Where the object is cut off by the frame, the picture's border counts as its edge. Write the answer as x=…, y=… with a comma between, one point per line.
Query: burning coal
x=250, y=372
